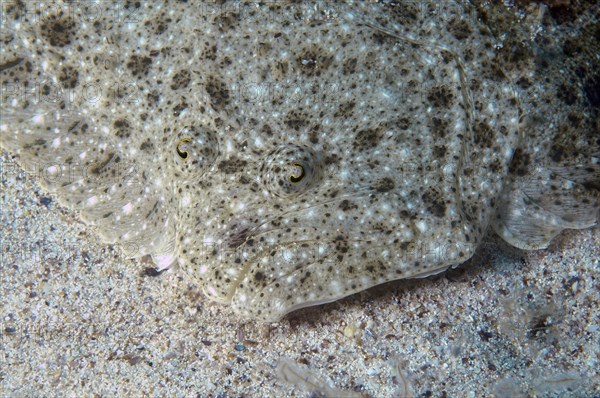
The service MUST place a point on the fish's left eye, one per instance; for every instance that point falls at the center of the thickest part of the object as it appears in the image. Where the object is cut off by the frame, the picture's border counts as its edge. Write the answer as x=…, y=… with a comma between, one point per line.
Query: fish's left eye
x=195, y=150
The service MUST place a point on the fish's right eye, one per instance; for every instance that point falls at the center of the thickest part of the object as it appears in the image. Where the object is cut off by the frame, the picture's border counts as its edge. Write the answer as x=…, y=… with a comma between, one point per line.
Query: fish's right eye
x=291, y=170
x=181, y=150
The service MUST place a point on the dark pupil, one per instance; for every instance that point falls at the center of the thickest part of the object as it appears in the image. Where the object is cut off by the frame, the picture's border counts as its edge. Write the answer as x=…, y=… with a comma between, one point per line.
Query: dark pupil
x=181, y=154
x=297, y=179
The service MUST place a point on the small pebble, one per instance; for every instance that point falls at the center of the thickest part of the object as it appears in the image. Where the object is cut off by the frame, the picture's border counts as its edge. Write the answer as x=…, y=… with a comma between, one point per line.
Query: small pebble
x=44, y=200
x=239, y=347
x=151, y=271
x=350, y=331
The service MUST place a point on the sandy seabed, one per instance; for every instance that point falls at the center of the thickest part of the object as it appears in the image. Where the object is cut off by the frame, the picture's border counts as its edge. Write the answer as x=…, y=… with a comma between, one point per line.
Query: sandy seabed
x=79, y=319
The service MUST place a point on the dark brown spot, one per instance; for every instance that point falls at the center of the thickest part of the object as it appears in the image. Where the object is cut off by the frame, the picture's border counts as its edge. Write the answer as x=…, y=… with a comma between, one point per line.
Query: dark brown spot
x=267, y=130
x=434, y=202
x=180, y=107
x=122, y=128
x=346, y=205
x=68, y=76
x=385, y=184
x=345, y=109
x=567, y=94
x=181, y=79
x=440, y=97
x=519, y=163
x=98, y=166
x=439, y=151
x=227, y=21
x=484, y=134
x=139, y=65
x=439, y=127
x=58, y=30
x=405, y=12
x=146, y=145
x=349, y=66
x=313, y=61
x=403, y=123
x=296, y=120
x=232, y=165
x=366, y=139
x=153, y=97
x=459, y=28
x=513, y=52
x=218, y=92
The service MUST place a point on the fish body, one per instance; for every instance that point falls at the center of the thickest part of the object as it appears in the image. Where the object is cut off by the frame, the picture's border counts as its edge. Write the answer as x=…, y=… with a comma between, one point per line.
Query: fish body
x=287, y=155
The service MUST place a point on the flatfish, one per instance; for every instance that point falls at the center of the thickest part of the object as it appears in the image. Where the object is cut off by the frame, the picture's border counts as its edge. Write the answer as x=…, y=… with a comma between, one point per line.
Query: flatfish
x=286, y=154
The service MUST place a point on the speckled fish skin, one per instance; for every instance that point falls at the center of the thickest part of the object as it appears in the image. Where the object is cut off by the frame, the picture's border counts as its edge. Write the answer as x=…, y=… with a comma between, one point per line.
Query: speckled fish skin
x=282, y=155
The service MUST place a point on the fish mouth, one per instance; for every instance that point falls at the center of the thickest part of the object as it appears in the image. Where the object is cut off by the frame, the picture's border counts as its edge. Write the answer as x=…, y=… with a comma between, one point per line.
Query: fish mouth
x=285, y=276
x=300, y=274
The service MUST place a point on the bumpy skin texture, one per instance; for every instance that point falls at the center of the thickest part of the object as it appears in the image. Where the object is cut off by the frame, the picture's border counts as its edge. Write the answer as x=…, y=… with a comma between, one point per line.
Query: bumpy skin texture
x=283, y=155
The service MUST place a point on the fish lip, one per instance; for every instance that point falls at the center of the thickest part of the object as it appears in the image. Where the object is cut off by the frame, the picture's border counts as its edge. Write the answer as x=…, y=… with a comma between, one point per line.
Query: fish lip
x=242, y=302
x=268, y=291
x=307, y=255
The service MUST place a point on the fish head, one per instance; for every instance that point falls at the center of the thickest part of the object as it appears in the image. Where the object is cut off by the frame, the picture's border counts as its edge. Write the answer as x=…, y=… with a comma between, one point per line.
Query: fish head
x=332, y=157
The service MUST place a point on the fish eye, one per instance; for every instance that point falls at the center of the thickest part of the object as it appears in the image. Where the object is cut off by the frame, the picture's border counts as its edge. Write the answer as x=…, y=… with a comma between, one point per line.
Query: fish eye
x=298, y=175
x=291, y=170
x=183, y=154
x=195, y=150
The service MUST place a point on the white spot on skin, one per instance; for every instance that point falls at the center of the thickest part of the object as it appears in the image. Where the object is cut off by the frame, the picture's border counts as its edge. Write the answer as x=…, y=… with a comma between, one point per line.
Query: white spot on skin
x=335, y=287
x=92, y=200
x=127, y=208
x=212, y=291
x=53, y=170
